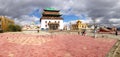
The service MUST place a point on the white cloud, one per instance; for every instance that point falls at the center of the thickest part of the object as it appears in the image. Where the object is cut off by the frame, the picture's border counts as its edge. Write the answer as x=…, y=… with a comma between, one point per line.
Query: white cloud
x=26, y=20
x=107, y=9
x=114, y=20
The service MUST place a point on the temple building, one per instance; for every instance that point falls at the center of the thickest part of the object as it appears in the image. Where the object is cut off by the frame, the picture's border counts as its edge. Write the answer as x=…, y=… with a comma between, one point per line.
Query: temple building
x=4, y=23
x=51, y=19
x=79, y=25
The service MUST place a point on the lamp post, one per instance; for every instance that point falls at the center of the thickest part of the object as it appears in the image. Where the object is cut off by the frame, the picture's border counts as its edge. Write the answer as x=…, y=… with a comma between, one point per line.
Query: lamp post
x=70, y=26
x=95, y=27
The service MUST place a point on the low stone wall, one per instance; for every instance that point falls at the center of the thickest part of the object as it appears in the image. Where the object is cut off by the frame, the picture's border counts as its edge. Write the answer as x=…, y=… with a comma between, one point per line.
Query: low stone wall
x=29, y=31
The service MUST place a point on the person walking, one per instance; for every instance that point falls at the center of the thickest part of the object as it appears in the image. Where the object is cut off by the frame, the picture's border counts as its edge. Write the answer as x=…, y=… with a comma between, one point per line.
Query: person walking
x=83, y=32
x=78, y=33
x=116, y=32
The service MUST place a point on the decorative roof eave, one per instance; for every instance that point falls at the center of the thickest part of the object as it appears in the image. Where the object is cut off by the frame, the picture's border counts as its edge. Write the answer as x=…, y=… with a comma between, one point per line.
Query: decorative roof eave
x=52, y=10
x=50, y=19
x=53, y=14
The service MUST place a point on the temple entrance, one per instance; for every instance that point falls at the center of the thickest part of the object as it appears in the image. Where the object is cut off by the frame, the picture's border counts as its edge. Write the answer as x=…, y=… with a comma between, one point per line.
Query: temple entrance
x=53, y=26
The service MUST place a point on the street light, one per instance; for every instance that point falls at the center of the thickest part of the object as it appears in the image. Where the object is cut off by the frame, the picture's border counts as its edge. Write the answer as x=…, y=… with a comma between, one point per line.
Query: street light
x=95, y=27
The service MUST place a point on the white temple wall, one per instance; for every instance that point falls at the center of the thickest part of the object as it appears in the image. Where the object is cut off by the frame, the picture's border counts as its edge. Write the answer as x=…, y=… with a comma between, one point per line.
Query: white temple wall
x=43, y=23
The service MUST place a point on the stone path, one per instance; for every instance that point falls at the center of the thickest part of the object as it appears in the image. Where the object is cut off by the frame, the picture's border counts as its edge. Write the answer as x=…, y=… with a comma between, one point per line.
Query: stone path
x=115, y=51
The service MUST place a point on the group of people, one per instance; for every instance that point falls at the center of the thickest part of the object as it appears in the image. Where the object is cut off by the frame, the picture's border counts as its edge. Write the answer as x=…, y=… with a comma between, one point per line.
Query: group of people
x=83, y=33
x=116, y=31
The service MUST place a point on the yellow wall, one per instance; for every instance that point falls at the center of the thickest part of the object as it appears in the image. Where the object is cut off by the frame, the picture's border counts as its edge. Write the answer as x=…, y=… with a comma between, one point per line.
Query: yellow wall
x=79, y=25
x=5, y=22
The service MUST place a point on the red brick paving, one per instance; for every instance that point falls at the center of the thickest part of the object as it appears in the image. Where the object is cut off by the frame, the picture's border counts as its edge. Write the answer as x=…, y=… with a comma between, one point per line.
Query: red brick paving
x=59, y=46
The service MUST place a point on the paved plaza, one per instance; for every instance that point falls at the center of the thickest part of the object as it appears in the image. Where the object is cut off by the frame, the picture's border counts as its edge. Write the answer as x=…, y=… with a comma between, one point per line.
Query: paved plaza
x=53, y=45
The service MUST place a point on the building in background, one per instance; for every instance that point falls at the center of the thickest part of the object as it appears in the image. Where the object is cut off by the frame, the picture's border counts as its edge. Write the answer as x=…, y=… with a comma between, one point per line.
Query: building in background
x=79, y=25
x=5, y=22
x=31, y=27
x=51, y=19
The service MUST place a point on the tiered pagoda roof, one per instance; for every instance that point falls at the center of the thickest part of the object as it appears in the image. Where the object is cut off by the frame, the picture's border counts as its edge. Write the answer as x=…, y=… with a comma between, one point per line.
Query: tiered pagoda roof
x=51, y=9
x=51, y=13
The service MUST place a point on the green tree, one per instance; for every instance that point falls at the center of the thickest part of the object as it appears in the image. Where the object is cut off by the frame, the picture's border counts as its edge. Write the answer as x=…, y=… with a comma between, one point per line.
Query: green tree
x=18, y=28
x=14, y=28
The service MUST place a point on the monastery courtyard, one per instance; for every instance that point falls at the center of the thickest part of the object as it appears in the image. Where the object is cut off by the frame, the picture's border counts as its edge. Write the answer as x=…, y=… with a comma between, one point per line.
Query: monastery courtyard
x=58, y=44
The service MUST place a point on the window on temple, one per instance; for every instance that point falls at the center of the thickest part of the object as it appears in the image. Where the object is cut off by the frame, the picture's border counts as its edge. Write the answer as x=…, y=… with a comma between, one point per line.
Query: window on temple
x=45, y=21
x=82, y=26
x=45, y=25
x=58, y=21
x=49, y=22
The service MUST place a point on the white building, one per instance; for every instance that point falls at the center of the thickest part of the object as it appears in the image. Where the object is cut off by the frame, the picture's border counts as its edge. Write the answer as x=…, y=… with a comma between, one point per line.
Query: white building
x=51, y=19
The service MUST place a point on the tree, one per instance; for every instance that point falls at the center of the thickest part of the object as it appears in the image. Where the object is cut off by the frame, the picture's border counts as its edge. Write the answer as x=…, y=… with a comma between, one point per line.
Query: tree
x=18, y=28
x=14, y=28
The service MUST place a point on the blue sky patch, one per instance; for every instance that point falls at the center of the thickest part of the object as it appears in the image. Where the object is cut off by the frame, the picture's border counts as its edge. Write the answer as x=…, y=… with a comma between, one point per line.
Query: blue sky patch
x=70, y=18
x=36, y=13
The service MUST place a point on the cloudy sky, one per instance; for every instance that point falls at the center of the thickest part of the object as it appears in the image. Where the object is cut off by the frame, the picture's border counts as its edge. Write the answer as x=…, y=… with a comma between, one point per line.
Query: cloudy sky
x=27, y=11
